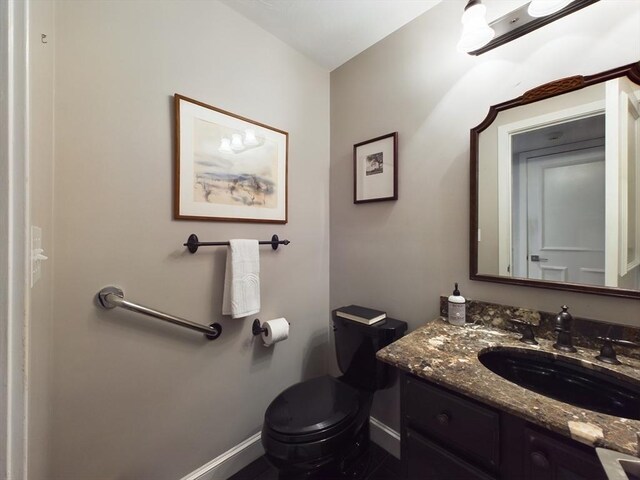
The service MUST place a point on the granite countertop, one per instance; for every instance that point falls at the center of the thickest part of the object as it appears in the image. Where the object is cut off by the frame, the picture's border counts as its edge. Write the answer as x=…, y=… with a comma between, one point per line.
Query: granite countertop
x=448, y=355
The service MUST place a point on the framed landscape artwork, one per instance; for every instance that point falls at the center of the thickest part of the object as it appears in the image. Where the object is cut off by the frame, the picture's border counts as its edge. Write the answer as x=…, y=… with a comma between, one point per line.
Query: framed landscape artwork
x=227, y=167
x=375, y=169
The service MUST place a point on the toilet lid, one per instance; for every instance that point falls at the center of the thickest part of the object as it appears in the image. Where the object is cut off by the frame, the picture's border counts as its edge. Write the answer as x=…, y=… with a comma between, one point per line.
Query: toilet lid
x=311, y=406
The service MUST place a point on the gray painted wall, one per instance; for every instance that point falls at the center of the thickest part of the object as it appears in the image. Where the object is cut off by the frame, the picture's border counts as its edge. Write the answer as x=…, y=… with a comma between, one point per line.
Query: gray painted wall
x=135, y=398
x=400, y=256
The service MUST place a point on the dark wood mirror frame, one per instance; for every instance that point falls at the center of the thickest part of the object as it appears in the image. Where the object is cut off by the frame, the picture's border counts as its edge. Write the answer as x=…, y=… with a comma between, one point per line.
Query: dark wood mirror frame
x=548, y=90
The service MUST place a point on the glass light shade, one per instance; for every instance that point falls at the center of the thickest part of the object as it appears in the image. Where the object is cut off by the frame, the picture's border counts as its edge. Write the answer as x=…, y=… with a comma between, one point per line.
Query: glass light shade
x=236, y=142
x=225, y=145
x=250, y=139
x=476, y=32
x=542, y=8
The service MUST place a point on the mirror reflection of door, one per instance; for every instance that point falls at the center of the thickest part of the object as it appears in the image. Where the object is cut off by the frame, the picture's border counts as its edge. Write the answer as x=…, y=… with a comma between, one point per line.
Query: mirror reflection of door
x=559, y=202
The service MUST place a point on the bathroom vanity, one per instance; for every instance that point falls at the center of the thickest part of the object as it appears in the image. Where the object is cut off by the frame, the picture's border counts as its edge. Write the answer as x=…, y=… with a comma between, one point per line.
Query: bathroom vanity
x=477, y=402
x=447, y=436
x=461, y=420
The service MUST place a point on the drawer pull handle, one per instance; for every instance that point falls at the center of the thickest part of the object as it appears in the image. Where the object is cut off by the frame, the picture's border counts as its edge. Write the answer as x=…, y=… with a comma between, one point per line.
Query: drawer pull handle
x=443, y=418
x=539, y=460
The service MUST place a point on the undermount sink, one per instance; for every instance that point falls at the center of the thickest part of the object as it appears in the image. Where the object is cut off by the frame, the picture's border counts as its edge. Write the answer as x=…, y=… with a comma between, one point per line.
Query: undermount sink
x=567, y=380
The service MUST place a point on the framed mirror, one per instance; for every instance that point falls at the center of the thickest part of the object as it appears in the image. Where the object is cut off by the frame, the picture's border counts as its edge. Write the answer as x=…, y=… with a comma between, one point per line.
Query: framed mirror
x=555, y=187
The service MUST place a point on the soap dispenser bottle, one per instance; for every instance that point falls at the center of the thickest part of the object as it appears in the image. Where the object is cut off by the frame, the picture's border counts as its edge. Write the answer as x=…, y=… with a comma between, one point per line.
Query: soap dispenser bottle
x=456, y=308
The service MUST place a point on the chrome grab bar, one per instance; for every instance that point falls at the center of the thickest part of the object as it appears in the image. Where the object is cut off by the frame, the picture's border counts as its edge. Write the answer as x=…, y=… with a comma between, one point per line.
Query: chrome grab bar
x=112, y=297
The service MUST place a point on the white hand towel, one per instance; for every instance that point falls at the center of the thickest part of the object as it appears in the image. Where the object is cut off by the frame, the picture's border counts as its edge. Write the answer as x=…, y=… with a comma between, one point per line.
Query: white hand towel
x=241, y=295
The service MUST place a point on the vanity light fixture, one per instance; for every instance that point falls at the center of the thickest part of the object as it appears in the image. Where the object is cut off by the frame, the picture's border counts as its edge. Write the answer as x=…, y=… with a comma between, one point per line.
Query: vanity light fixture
x=542, y=8
x=225, y=145
x=519, y=22
x=237, y=144
x=250, y=139
x=476, y=32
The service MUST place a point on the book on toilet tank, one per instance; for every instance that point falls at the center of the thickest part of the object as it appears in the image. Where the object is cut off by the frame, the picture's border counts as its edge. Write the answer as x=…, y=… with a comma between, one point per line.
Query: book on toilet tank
x=361, y=314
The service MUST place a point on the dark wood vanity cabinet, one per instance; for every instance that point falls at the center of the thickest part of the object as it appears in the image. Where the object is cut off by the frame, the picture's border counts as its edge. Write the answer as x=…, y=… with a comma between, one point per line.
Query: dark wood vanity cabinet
x=428, y=460
x=448, y=436
x=549, y=458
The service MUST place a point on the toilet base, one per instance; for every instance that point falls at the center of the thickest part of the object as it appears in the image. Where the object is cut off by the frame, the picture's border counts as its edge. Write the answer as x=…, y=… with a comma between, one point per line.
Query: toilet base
x=355, y=470
x=353, y=466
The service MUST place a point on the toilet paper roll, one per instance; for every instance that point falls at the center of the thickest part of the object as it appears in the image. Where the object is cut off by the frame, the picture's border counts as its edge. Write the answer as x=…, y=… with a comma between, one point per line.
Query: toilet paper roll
x=276, y=331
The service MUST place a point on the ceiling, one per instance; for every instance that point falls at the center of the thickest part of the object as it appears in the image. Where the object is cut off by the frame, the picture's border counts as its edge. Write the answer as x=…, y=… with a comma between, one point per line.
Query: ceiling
x=330, y=32
x=564, y=133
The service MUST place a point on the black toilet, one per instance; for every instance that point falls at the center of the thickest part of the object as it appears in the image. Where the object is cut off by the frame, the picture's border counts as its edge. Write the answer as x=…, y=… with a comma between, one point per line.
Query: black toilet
x=319, y=428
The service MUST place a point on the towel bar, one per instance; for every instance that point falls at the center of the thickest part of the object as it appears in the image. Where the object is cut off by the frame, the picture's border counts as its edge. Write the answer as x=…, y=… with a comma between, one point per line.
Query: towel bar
x=193, y=243
x=112, y=297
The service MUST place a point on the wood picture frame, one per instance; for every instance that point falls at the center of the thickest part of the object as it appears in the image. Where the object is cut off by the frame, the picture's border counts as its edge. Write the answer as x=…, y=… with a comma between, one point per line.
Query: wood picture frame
x=227, y=167
x=375, y=169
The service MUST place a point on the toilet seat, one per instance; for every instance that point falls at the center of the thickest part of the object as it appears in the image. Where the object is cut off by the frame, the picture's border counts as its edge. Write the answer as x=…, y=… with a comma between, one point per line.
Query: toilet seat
x=320, y=407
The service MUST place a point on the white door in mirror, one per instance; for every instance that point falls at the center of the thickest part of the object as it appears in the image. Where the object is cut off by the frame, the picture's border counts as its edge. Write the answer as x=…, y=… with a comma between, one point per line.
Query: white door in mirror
x=565, y=212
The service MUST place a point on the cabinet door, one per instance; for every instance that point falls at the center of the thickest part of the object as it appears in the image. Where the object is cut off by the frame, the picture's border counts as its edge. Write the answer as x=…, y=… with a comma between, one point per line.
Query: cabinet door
x=462, y=425
x=429, y=461
x=548, y=458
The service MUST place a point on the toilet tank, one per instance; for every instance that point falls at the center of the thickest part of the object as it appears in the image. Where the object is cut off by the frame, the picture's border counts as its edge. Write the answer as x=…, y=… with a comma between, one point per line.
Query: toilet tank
x=356, y=347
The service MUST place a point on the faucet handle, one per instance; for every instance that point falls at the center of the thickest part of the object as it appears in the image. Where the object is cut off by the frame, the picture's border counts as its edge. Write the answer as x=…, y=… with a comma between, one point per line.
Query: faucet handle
x=608, y=354
x=563, y=320
x=527, y=335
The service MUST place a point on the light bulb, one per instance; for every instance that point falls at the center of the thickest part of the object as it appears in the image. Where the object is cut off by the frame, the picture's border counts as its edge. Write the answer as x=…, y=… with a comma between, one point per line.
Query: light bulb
x=225, y=145
x=250, y=139
x=542, y=8
x=236, y=142
x=476, y=32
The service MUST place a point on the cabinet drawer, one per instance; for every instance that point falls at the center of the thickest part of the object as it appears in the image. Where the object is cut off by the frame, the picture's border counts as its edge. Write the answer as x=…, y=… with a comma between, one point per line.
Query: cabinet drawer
x=459, y=423
x=427, y=460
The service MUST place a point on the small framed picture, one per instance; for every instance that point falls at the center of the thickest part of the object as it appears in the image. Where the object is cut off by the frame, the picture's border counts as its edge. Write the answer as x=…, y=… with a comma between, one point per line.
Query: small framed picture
x=375, y=169
x=227, y=167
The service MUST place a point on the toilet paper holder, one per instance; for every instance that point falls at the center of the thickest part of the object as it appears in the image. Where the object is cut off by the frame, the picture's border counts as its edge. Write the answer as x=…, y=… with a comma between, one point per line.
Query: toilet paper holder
x=256, y=328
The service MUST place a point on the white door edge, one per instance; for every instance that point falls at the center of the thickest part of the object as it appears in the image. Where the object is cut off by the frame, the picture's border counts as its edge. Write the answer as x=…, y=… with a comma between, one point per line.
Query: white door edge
x=13, y=228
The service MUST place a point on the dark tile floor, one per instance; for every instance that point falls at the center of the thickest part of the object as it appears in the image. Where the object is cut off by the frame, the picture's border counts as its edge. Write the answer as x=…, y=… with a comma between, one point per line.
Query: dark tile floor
x=382, y=466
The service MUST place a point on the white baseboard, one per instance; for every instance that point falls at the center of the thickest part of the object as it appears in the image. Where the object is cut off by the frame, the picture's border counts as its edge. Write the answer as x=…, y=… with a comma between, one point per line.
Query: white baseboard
x=230, y=462
x=238, y=457
x=384, y=436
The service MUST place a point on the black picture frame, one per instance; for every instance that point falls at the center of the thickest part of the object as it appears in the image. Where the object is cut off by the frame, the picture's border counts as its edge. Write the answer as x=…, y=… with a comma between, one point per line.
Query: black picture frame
x=375, y=169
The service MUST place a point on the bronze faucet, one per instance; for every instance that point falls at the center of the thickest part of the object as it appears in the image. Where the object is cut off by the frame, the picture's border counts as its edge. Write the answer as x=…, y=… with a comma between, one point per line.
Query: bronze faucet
x=564, y=321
